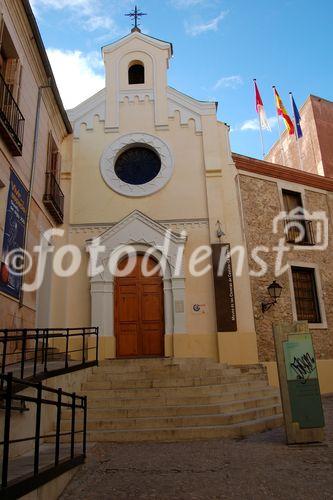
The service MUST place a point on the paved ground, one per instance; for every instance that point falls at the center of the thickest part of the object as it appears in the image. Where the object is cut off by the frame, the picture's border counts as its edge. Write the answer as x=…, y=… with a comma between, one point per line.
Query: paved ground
x=259, y=467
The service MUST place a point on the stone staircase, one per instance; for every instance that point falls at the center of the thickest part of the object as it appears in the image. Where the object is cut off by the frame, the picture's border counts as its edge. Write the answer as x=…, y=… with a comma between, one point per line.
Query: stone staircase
x=177, y=399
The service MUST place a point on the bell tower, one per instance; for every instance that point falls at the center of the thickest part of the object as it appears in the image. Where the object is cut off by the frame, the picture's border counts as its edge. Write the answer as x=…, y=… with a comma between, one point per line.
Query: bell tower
x=136, y=66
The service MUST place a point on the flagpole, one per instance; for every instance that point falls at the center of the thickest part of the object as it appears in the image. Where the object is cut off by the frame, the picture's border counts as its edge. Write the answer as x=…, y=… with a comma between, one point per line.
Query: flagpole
x=279, y=128
x=260, y=129
x=296, y=132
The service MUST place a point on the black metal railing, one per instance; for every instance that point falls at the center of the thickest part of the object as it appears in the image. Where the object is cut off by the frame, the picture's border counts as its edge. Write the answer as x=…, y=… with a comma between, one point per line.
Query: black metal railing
x=299, y=231
x=11, y=120
x=35, y=454
x=54, y=197
x=42, y=353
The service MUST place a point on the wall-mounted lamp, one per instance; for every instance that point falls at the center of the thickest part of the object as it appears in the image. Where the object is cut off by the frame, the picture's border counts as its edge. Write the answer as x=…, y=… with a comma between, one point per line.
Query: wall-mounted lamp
x=274, y=290
x=219, y=232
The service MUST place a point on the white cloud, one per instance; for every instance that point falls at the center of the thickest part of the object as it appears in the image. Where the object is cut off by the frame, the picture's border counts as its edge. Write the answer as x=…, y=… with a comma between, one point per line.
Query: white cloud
x=76, y=75
x=228, y=82
x=100, y=22
x=254, y=124
x=84, y=5
x=199, y=28
x=88, y=13
x=184, y=4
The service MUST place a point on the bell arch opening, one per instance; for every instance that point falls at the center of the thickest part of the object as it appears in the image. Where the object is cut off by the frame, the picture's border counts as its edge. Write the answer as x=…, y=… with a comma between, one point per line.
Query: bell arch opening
x=136, y=73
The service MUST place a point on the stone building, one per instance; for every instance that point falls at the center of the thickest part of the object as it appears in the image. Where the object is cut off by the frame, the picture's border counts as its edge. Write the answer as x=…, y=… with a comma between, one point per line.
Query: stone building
x=182, y=253
x=145, y=161
x=33, y=124
x=309, y=264
x=316, y=148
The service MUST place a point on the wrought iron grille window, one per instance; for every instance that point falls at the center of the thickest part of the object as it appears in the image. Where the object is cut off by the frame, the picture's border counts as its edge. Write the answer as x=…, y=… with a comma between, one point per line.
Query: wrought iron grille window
x=138, y=165
x=306, y=296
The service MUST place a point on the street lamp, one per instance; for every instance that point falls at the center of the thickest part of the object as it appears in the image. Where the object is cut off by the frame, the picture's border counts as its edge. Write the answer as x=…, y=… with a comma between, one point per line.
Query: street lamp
x=274, y=290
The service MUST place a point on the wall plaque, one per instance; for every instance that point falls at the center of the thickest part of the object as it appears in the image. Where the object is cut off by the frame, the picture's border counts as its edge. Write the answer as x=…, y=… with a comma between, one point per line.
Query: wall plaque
x=224, y=288
x=199, y=309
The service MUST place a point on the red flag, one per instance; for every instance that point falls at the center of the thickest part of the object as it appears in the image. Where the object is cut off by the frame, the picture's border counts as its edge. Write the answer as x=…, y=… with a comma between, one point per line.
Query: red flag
x=264, y=124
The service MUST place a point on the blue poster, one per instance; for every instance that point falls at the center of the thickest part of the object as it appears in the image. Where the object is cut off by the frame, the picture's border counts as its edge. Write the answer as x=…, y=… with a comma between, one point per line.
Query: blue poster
x=13, y=238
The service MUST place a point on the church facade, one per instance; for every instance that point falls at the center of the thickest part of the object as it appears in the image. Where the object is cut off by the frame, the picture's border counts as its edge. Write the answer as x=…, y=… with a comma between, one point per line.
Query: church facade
x=151, y=184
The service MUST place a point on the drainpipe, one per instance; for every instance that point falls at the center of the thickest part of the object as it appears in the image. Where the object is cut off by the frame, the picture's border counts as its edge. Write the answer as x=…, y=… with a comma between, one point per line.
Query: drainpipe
x=32, y=175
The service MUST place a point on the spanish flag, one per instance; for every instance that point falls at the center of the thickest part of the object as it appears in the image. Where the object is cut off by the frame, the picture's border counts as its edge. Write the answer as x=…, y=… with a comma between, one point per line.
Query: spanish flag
x=283, y=112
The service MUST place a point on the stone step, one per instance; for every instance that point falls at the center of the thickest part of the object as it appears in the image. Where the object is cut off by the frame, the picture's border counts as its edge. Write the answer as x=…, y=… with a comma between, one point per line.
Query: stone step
x=177, y=421
x=103, y=389
x=238, y=430
x=152, y=362
x=168, y=381
x=100, y=401
x=167, y=399
x=174, y=370
x=177, y=410
x=118, y=368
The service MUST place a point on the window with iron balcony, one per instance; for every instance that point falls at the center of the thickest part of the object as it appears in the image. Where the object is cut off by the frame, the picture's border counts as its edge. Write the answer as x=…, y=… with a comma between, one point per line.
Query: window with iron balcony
x=11, y=118
x=54, y=197
x=298, y=230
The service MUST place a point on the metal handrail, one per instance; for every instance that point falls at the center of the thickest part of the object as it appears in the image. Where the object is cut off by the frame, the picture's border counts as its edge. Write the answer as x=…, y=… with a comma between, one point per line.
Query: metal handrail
x=29, y=353
x=45, y=396
x=11, y=114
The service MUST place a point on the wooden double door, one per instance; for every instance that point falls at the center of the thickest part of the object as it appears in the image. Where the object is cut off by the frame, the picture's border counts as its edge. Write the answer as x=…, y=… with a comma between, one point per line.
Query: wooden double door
x=139, y=310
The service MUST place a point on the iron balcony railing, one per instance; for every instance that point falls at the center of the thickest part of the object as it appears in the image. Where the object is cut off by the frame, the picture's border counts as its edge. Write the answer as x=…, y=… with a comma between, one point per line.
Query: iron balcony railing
x=54, y=198
x=37, y=451
x=43, y=353
x=299, y=231
x=11, y=120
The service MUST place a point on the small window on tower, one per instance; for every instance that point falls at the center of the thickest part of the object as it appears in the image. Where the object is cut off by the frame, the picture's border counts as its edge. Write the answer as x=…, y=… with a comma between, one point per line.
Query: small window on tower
x=136, y=73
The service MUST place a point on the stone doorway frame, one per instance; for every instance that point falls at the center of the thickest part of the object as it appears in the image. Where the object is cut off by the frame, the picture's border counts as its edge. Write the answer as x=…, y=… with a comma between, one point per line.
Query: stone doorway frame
x=142, y=233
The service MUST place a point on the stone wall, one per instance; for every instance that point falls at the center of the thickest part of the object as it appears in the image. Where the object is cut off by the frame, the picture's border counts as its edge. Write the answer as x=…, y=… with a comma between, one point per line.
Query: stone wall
x=261, y=203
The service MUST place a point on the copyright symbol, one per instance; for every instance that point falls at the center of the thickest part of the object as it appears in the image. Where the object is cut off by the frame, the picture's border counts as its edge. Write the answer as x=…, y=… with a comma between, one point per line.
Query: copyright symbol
x=19, y=262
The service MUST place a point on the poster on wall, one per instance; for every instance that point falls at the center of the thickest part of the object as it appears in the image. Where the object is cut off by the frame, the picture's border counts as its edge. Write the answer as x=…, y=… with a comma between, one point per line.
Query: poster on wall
x=13, y=238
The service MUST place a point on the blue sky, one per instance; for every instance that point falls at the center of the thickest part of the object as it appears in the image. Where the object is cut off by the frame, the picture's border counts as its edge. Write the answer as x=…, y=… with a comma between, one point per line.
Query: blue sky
x=219, y=47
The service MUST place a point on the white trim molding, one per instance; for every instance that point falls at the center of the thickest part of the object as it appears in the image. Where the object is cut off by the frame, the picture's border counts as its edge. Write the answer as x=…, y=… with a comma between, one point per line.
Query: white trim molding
x=155, y=42
x=140, y=94
x=142, y=233
x=111, y=153
x=85, y=112
x=319, y=290
x=188, y=108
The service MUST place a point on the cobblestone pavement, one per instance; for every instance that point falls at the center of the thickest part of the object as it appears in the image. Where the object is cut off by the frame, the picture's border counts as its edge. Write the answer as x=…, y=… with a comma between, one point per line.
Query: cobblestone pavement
x=258, y=467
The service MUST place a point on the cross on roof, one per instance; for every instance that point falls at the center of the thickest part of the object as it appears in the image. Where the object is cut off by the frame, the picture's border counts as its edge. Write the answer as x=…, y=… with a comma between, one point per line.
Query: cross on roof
x=136, y=14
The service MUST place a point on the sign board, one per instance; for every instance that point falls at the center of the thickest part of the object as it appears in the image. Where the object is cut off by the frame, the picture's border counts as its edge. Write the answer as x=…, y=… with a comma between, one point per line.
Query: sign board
x=302, y=380
x=224, y=288
x=299, y=385
x=13, y=239
x=199, y=309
